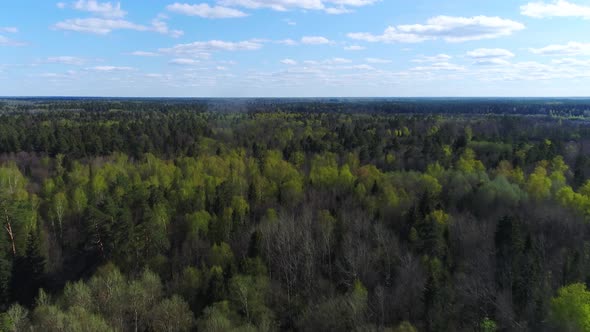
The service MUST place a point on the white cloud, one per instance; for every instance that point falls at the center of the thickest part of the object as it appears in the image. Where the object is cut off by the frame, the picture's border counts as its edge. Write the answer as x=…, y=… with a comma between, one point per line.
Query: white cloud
x=202, y=48
x=160, y=26
x=102, y=26
x=66, y=60
x=490, y=56
x=492, y=62
x=487, y=53
x=435, y=58
x=337, y=10
x=288, y=42
x=328, y=62
x=440, y=66
x=377, y=60
x=337, y=61
x=111, y=17
x=68, y=75
x=290, y=22
x=9, y=29
x=184, y=62
x=104, y=9
x=363, y=67
x=108, y=69
x=205, y=11
x=98, y=26
x=558, y=8
x=328, y=6
x=144, y=53
x=5, y=41
x=569, y=49
x=315, y=40
x=354, y=48
x=289, y=62
x=448, y=28
x=572, y=62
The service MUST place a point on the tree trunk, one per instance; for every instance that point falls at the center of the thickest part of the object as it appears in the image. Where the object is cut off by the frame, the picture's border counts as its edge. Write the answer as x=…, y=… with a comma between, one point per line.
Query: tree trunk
x=8, y=228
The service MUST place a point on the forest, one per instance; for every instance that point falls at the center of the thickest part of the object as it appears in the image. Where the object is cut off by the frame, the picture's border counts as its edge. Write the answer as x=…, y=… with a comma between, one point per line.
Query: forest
x=294, y=215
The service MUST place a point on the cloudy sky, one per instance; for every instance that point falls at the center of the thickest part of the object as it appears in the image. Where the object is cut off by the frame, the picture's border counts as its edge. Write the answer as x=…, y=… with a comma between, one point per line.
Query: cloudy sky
x=274, y=48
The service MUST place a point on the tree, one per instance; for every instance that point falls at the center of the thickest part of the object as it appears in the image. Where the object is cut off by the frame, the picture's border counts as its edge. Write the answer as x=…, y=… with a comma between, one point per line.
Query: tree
x=570, y=309
x=143, y=295
x=217, y=318
x=539, y=185
x=17, y=214
x=172, y=315
x=79, y=200
x=28, y=271
x=16, y=319
x=59, y=207
x=248, y=295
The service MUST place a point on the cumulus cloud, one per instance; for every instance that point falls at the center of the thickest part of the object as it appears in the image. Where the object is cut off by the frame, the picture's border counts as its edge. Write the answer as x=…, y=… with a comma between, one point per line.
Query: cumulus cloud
x=205, y=10
x=290, y=22
x=289, y=62
x=202, y=48
x=66, y=60
x=439, y=66
x=315, y=40
x=377, y=60
x=110, y=17
x=104, y=9
x=159, y=25
x=288, y=42
x=5, y=41
x=434, y=58
x=485, y=53
x=448, y=28
x=184, y=62
x=9, y=29
x=354, y=48
x=109, y=69
x=328, y=6
x=558, y=8
x=98, y=26
x=490, y=56
x=103, y=26
x=144, y=53
x=569, y=49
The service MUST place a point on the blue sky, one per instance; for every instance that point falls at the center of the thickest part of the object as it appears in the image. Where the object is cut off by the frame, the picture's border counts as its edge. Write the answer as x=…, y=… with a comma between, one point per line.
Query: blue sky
x=295, y=48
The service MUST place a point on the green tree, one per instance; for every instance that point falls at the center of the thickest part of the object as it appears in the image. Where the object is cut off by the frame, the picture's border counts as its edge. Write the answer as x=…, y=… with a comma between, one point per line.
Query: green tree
x=248, y=295
x=172, y=315
x=570, y=309
x=539, y=185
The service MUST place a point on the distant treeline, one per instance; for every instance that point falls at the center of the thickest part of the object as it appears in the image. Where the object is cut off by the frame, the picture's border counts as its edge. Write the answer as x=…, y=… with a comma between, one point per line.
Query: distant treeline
x=565, y=107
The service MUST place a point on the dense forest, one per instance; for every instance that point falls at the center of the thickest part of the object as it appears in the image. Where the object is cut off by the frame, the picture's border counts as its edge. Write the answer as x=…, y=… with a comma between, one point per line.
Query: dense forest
x=295, y=215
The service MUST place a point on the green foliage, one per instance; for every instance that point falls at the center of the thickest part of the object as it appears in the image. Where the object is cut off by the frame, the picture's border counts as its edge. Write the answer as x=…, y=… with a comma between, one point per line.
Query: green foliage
x=172, y=315
x=468, y=164
x=405, y=327
x=570, y=309
x=221, y=255
x=304, y=216
x=539, y=185
x=488, y=325
x=248, y=294
x=217, y=318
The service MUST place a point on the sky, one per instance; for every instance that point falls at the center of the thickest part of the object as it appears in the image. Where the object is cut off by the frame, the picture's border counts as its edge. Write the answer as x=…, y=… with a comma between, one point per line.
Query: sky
x=295, y=48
